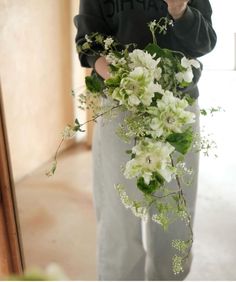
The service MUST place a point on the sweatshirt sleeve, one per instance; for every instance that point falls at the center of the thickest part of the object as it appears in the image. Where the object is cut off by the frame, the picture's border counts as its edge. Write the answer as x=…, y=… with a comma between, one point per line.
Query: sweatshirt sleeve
x=87, y=21
x=193, y=32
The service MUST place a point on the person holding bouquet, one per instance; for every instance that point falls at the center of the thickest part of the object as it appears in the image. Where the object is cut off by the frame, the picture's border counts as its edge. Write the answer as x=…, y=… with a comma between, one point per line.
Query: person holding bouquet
x=127, y=250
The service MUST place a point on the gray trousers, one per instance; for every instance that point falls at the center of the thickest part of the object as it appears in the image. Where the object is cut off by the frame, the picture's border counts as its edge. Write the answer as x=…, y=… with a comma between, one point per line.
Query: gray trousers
x=128, y=249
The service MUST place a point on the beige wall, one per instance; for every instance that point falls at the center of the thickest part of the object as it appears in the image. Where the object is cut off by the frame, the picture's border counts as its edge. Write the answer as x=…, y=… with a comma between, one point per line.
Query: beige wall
x=78, y=73
x=36, y=76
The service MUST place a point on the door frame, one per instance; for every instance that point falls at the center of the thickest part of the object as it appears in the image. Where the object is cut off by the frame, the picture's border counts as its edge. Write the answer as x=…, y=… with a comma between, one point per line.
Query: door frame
x=11, y=249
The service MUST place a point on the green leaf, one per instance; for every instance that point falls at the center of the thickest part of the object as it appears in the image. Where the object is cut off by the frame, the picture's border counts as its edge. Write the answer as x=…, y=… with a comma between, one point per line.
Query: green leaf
x=154, y=184
x=93, y=83
x=113, y=82
x=181, y=141
x=158, y=51
x=77, y=126
x=118, y=54
x=159, y=178
x=113, y=68
x=184, y=84
x=189, y=99
x=154, y=49
x=203, y=112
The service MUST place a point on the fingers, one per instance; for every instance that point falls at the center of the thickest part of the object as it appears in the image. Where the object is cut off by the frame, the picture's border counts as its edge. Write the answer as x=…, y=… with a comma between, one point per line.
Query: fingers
x=176, y=8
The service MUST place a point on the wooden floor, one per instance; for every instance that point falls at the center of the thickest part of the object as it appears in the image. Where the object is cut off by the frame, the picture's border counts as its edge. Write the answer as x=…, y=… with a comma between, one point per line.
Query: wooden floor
x=57, y=216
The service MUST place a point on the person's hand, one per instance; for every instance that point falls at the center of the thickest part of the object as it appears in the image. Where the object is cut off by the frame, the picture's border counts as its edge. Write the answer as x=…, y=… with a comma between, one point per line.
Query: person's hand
x=176, y=8
x=101, y=67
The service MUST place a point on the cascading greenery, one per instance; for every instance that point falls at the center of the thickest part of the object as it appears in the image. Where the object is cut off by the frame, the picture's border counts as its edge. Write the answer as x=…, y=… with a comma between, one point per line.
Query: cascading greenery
x=147, y=84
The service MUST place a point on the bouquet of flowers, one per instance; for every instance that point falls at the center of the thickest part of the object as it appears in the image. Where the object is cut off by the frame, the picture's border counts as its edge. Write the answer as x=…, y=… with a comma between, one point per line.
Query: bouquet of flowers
x=148, y=84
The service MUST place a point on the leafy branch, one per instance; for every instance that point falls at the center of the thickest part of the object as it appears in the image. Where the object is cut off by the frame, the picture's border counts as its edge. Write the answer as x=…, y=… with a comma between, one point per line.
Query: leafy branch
x=69, y=132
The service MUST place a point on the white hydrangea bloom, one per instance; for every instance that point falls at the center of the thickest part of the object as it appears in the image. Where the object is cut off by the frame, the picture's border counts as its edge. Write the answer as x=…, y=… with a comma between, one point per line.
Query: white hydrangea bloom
x=140, y=58
x=170, y=115
x=133, y=100
x=159, y=88
x=157, y=73
x=138, y=86
x=150, y=156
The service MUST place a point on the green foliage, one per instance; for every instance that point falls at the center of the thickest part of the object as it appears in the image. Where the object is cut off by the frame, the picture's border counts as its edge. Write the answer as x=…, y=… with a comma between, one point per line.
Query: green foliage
x=181, y=141
x=203, y=112
x=154, y=184
x=158, y=52
x=94, y=84
x=155, y=50
x=210, y=111
x=113, y=82
x=189, y=99
x=77, y=126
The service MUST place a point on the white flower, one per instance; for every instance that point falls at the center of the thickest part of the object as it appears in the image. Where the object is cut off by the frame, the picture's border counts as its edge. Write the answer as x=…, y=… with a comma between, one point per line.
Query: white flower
x=111, y=58
x=133, y=100
x=182, y=169
x=152, y=25
x=140, y=58
x=187, y=75
x=114, y=60
x=186, y=63
x=150, y=156
x=171, y=23
x=138, y=86
x=108, y=42
x=157, y=73
x=159, y=88
x=170, y=115
x=136, y=207
x=140, y=212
